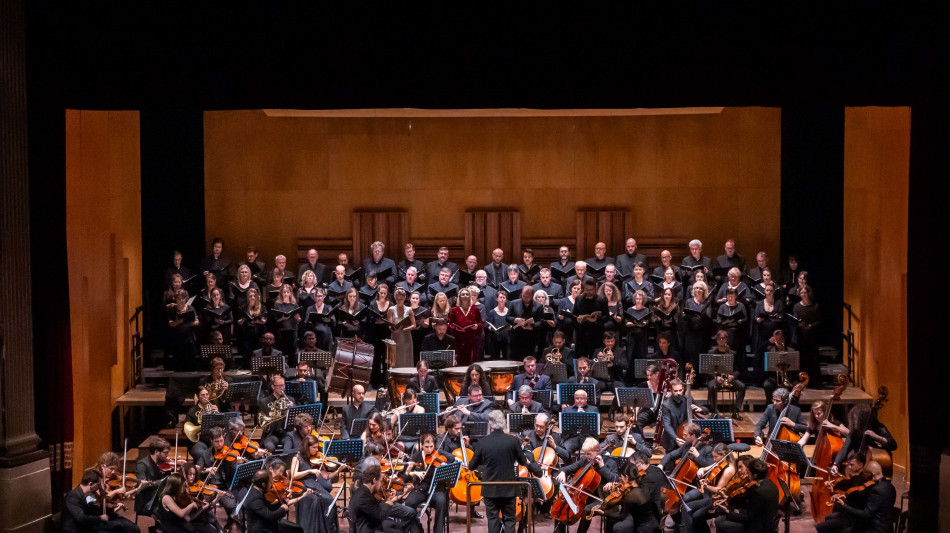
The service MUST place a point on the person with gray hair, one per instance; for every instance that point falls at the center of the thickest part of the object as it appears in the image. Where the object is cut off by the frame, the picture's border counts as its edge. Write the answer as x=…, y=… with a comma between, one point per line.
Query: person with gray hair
x=525, y=402
x=494, y=457
x=384, y=267
x=695, y=262
x=792, y=418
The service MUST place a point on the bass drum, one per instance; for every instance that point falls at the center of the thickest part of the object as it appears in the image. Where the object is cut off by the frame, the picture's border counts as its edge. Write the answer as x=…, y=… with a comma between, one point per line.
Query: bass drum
x=398, y=381
x=352, y=364
x=501, y=374
x=452, y=379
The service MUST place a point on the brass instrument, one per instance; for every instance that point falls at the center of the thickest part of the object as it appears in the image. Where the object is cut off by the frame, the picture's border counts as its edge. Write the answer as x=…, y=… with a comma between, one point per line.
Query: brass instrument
x=277, y=410
x=782, y=375
x=607, y=356
x=216, y=389
x=193, y=430
x=554, y=356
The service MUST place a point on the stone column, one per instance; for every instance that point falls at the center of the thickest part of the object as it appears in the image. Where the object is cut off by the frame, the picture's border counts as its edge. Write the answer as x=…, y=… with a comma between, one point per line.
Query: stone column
x=24, y=469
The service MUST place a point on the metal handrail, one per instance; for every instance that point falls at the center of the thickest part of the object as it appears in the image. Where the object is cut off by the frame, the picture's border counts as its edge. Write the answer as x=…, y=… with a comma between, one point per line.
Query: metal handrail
x=849, y=337
x=529, y=501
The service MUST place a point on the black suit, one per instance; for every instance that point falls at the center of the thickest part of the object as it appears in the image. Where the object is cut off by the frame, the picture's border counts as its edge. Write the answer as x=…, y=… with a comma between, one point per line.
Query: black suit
x=146, y=470
x=429, y=385
x=351, y=413
x=259, y=516
x=770, y=419
x=496, y=454
x=626, y=261
x=74, y=517
x=754, y=513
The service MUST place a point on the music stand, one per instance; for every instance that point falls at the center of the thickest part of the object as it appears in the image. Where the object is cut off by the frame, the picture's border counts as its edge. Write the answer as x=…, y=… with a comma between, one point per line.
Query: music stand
x=600, y=370
x=635, y=398
x=346, y=451
x=789, y=453
x=358, y=426
x=518, y=422
x=781, y=361
x=715, y=363
x=720, y=429
x=275, y=364
x=574, y=424
x=210, y=351
x=542, y=396
x=565, y=393
x=430, y=401
x=536, y=491
x=245, y=471
x=447, y=474
x=438, y=359
x=216, y=420
x=557, y=372
x=415, y=424
x=475, y=429
x=245, y=392
x=302, y=391
x=312, y=409
x=640, y=366
x=319, y=359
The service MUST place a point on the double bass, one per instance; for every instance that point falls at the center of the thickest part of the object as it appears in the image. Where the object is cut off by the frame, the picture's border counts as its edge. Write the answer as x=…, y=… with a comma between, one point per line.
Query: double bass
x=690, y=376
x=827, y=446
x=877, y=454
x=779, y=472
x=668, y=369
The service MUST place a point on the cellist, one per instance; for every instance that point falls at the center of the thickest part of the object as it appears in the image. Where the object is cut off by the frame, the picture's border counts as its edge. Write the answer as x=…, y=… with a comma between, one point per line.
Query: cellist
x=698, y=450
x=624, y=430
x=590, y=455
x=792, y=420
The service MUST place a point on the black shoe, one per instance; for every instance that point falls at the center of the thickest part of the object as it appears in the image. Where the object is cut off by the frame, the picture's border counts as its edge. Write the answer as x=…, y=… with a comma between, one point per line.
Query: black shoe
x=476, y=514
x=737, y=416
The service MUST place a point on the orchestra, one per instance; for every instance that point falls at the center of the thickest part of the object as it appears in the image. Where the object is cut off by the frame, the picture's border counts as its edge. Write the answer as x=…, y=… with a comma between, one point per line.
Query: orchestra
x=593, y=322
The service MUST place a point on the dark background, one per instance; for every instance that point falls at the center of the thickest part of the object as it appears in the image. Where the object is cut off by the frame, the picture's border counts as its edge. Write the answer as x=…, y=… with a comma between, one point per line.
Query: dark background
x=175, y=60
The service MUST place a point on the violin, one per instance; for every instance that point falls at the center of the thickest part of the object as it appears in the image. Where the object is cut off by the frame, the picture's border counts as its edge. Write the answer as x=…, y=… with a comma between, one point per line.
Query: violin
x=131, y=481
x=281, y=486
x=199, y=489
x=616, y=495
x=737, y=486
x=227, y=454
x=246, y=445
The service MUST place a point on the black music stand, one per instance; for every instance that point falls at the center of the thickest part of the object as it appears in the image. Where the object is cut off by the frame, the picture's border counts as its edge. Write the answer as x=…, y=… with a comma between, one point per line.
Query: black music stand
x=713, y=364
x=543, y=397
x=635, y=398
x=346, y=451
x=302, y=391
x=720, y=429
x=210, y=351
x=789, y=453
x=536, y=491
x=518, y=422
x=448, y=475
x=319, y=359
x=358, y=426
x=782, y=361
x=557, y=372
x=600, y=370
x=565, y=393
x=245, y=471
x=640, y=366
x=217, y=420
x=245, y=393
x=312, y=409
x=430, y=401
x=475, y=429
x=274, y=364
x=415, y=424
x=574, y=424
x=438, y=359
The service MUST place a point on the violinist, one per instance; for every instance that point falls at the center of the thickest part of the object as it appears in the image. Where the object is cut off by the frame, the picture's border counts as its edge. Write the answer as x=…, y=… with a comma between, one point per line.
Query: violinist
x=419, y=479
x=792, y=420
x=534, y=438
x=318, y=477
x=204, y=520
x=590, y=455
x=109, y=468
x=651, y=477
x=676, y=411
x=358, y=409
x=698, y=450
x=727, y=381
x=260, y=516
x=623, y=430
x=628, y=506
x=374, y=431
x=79, y=514
x=875, y=515
x=756, y=509
x=819, y=417
x=849, y=490
x=713, y=480
x=303, y=426
x=216, y=471
x=146, y=469
x=864, y=430
x=372, y=509
x=374, y=454
x=526, y=403
x=177, y=510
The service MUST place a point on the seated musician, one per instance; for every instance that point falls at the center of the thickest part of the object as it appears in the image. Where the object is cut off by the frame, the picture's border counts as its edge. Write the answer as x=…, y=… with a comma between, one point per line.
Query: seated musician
x=676, y=409
x=864, y=431
x=423, y=381
x=616, y=361
x=318, y=477
x=757, y=509
x=876, y=513
x=526, y=402
x=530, y=377
x=636, y=511
x=370, y=514
x=440, y=339
x=259, y=514
x=219, y=472
x=275, y=404
x=419, y=480
x=698, y=450
x=205, y=521
x=700, y=504
x=584, y=375
x=357, y=409
x=820, y=418
x=373, y=454
x=302, y=426
x=374, y=431
x=664, y=348
x=218, y=381
x=855, y=477
x=303, y=372
x=479, y=411
x=146, y=469
x=573, y=443
x=78, y=514
x=590, y=455
x=652, y=478
x=202, y=406
x=792, y=420
x=557, y=349
x=452, y=438
x=535, y=438
x=616, y=440
x=647, y=417
x=109, y=467
x=268, y=340
x=410, y=404
x=777, y=343
x=725, y=382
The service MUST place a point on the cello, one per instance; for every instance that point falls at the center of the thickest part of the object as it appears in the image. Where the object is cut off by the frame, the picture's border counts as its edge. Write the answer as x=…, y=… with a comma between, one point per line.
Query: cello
x=466, y=476
x=688, y=381
x=779, y=472
x=877, y=454
x=546, y=457
x=827, y=446
x=582, y=484
x=684, y=473
x=668, y=370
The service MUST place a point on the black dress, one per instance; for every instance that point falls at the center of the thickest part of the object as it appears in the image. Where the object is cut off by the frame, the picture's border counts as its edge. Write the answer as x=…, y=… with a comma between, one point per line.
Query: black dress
x=805, y=336
x=181, y=339
x=696, y=329
x=285, y=328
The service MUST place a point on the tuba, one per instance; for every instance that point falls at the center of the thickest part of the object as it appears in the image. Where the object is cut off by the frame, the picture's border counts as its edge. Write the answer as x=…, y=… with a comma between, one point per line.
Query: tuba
x=277, y=410
x=192, y=431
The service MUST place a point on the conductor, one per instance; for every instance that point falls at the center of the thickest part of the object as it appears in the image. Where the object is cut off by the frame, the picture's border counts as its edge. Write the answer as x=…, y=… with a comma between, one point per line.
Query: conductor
x=496, y=454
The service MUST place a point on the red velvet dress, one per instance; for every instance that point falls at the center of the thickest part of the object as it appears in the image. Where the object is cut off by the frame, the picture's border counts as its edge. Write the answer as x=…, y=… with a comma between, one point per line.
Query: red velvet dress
x=466, y=336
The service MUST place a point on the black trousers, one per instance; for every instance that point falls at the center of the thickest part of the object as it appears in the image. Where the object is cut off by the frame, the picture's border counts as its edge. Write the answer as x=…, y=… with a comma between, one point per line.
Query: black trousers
x=506, y=508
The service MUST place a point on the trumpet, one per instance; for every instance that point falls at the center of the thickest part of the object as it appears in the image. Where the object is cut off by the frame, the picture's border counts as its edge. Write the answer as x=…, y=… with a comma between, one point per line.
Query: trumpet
x=607, y=356
x=554, y=356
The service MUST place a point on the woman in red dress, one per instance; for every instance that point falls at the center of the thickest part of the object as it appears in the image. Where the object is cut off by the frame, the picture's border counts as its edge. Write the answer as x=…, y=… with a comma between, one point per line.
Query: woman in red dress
x=465, y=320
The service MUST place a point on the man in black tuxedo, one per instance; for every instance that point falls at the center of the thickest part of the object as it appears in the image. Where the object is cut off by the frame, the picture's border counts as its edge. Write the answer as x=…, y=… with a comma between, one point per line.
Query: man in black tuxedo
x=357, y=409
x=626, y=260
x=433, y=267
x=496, y=454
x=497, y=270
x=146, y=469
x=319, y=270
x=74, y=516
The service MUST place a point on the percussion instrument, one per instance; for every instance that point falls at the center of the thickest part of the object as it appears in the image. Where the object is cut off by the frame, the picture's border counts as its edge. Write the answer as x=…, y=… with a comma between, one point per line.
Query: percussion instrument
x=501, y=374
x=352, y=364
x=452, y=379
x=398, y=381
x=390, y=352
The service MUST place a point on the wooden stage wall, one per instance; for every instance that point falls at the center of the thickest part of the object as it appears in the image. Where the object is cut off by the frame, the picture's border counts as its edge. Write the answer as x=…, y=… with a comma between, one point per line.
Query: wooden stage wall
x=273, y=181
x=103, y=213
x=876, y=180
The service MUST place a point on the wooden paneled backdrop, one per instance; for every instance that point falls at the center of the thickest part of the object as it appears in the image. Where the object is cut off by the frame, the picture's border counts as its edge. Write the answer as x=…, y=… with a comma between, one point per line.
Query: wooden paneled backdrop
x=470, y=183
x=876, y=180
